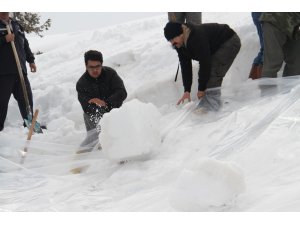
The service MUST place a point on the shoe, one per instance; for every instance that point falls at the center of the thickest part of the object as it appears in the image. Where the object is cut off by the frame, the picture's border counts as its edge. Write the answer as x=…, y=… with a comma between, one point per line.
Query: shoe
x=85, y=150
x=255, y=72
x=43, y=127
x=89, y=148
x=200, y=111
x=210, y=102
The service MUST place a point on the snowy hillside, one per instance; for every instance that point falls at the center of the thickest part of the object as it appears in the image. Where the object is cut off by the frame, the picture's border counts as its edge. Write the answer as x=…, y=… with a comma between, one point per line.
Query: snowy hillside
x=245, y=157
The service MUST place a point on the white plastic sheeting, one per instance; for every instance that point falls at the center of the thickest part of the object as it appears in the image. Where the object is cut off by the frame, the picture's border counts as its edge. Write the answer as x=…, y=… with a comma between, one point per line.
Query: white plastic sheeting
x=207, y=184
x=257, y=128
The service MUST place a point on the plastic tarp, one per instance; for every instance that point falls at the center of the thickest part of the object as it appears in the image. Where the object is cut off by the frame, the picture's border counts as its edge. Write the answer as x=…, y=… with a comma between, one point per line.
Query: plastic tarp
x=35, y=176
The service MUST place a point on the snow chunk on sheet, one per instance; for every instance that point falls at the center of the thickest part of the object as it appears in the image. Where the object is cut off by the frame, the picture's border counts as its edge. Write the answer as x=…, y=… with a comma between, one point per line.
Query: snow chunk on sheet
x=130, y=132
x=207, y=185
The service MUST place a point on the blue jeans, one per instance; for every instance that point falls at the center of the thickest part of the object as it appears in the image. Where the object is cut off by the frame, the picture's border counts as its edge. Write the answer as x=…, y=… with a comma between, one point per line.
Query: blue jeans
x=258, y=60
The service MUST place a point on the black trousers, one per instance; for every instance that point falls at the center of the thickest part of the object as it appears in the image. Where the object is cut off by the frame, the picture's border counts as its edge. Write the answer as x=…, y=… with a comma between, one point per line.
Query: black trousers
x=10, y=84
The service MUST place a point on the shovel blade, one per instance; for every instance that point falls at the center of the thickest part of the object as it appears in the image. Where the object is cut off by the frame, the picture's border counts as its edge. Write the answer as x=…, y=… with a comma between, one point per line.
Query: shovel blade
x=37, y=127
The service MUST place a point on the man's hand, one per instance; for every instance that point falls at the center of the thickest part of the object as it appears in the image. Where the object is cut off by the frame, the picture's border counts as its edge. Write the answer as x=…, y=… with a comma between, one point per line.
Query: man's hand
x=10, y=37
x=200, y=94
x=97, y=101
x=187, y=96
x=32, y=67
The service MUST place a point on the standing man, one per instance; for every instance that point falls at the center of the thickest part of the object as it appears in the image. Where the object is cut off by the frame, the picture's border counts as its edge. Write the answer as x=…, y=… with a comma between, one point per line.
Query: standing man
x=9, y=77
x=100, y=89
x=185, y=17
x=214, y=46
x=281, y=34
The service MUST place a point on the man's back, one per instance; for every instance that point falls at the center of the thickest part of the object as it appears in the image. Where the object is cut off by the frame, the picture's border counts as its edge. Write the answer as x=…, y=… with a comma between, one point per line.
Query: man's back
x=212, y=34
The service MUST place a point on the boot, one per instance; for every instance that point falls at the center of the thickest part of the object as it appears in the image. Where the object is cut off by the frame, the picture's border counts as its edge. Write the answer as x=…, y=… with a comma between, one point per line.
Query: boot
x=259, y=70
x=255, y=72
x=211, y=101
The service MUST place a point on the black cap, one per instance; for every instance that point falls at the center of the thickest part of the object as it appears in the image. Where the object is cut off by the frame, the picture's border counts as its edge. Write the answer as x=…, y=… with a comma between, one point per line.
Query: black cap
x=172, y=30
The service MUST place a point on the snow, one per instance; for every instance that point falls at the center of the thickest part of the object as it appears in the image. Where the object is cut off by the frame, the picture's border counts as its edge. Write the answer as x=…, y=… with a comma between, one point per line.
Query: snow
x=138, y=136
x=207, y=184
x=243, y=158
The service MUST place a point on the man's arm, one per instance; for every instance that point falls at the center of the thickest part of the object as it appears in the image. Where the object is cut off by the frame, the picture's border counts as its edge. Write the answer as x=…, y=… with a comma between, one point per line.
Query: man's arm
x=203, y=47
x=88, y=103
x=186, y=70
x=119, y=94
x=29, y=55
x=83, y=96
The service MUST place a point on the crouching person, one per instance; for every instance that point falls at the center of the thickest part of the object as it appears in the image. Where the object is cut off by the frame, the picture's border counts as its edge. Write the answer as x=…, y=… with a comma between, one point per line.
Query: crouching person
x=214, y=46
x=100, y=89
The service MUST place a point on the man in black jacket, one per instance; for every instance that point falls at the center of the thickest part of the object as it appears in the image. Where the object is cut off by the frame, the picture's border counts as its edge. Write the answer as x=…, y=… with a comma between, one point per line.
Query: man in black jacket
x=100, y=89
x=9, y=77
x=213, y=45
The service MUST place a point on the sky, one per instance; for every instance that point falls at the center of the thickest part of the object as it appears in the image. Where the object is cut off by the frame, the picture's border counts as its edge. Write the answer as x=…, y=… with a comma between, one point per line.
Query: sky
x=63, y=22
x=147, y=6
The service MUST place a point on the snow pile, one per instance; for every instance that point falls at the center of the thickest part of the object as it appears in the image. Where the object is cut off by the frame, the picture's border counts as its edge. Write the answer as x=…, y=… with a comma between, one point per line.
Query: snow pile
x=206, y=185
x=130, y=132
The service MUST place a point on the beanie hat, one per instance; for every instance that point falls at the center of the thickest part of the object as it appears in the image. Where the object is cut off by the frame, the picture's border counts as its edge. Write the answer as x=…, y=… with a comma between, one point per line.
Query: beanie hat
x=172, y=30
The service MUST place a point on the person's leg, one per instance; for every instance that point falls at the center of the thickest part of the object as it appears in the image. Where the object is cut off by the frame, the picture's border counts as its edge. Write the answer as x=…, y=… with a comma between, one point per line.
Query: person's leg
x=258, y=60
x=178, y=17
x=292, y=58
x=92, y=127
x=221, y=62
x=274, y=41
x=256, y=69
x=90, y=123
x=20, y=98
x=194, y=17
x=92, y=133
x=257, y=65
x=6, y=86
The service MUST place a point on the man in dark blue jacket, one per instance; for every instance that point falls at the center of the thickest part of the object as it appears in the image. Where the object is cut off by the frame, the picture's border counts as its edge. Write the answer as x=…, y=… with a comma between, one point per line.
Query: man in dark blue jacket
x=100, y=89
x=213, y=45
x=9, y=77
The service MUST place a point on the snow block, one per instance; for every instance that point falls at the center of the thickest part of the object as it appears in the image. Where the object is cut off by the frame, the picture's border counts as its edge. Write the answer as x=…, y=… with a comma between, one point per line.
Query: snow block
x=131, y=132
x=207, y=185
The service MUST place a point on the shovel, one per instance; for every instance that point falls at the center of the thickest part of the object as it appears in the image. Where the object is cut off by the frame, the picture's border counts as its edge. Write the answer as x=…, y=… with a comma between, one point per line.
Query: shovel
x=28, y=121
x=24, y=152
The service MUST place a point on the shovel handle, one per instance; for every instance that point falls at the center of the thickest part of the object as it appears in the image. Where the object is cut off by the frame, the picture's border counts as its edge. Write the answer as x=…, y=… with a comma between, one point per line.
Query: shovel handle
x=36, y=112
x=29, y=136
x=21, y=75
